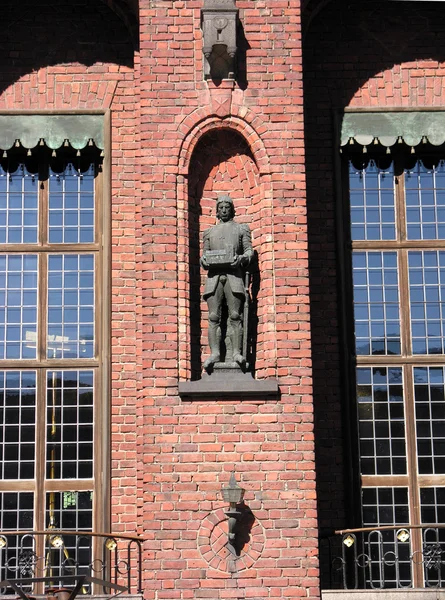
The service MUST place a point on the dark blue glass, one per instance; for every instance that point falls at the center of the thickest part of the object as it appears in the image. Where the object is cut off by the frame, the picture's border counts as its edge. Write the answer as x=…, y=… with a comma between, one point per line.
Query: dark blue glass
x=429, y=395
x=377, y=390
x=71, y=206
x=427, y=285
x=71, y=306
x=371, y=189
x=424, y=197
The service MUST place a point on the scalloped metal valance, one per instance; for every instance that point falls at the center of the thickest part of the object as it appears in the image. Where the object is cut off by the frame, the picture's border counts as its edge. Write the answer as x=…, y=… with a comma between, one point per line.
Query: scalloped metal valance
x=388, y=128
x=54, y=130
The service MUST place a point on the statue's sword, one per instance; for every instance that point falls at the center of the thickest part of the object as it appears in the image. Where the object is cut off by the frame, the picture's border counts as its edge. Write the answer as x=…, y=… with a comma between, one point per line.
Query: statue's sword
x=246, y=312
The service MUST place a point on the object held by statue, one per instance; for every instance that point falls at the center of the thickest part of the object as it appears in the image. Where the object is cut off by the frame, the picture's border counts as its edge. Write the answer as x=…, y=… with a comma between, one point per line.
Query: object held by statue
x=220, y=258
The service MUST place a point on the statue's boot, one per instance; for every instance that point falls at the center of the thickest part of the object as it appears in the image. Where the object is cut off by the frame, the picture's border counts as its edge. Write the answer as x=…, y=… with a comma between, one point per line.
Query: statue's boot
x=236, y=335
x=214, y=343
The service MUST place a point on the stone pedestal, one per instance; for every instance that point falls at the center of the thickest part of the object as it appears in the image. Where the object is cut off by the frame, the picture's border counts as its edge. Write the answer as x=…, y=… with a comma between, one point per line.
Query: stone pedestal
x=227, y=380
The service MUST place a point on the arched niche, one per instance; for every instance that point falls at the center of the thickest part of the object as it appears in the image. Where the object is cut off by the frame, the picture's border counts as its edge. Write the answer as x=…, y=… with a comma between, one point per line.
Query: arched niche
x=222, y=162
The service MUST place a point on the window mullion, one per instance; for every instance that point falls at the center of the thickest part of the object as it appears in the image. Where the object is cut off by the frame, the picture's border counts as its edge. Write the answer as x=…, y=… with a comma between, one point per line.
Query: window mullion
x=39, y=495
x=43, y=307
x=43, y=202
x=400, y=201
x=43, y=261
x=404, y=302
x=414, y=498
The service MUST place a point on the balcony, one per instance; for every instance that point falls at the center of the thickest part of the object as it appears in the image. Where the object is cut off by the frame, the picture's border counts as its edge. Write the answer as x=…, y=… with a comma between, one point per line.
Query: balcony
x=378, y=562
x=59, y=565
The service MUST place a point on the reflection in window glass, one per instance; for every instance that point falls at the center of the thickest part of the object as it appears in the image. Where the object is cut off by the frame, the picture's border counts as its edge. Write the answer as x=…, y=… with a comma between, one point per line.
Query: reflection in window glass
x=70, y=511
x=425, y=202
x=17, y=424
x=71, y=206
x=18, y=306
x=18, y=206
x=381, y=420
x=387, y=506
x=71, y=306
x=372, y=202
x=376, y=303
x=427, y=296
x=432, y=506
x=16, y=513
x=69, y=442
x=430, y=419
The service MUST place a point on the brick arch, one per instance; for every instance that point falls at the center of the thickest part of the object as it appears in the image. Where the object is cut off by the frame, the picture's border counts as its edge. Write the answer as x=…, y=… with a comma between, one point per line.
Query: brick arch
x=196, y=126
x=234, y=161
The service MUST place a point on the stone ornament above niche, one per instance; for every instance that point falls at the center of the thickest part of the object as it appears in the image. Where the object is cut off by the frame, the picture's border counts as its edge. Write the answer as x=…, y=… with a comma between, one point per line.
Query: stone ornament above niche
x=219, y=23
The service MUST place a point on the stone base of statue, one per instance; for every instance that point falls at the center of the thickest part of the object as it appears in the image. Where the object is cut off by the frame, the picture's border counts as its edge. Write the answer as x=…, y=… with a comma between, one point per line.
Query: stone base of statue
x=228, y=380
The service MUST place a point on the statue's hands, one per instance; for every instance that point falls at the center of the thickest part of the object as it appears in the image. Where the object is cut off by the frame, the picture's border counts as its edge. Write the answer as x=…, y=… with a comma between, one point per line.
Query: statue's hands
x=204, y=263
x=237, y=262
x=244, y=260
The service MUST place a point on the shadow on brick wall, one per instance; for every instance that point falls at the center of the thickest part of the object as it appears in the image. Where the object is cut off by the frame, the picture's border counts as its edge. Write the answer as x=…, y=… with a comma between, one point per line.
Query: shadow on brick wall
x=64, y=33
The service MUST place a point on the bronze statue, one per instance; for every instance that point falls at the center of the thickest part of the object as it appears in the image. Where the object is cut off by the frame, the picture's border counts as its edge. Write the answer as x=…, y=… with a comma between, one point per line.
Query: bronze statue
x=226, y=256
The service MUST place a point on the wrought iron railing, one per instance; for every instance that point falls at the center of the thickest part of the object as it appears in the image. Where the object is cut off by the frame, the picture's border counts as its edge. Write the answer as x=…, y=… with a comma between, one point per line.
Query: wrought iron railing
x=62, y=564
x=383, y=557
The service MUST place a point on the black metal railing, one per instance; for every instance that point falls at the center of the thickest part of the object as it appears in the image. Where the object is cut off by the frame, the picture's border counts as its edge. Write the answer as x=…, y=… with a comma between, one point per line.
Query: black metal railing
x=383, y=557
x=62, y=564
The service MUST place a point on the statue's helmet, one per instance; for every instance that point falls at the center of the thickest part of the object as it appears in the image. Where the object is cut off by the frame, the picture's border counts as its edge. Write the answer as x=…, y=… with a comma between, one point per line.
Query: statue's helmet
x=225, y=198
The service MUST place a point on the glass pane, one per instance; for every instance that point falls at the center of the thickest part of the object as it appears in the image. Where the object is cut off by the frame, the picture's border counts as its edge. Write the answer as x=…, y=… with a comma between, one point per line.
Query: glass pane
x=18, y=306
x=17, y=424
x=372, y=205
x=386, y=506
x=432, y=505
x=17, y=557
x=71, y=206
x=71, y=306
x=69, y=442
x=69, y=511
x=429, y=393
x=19, y=192
x=376, y=303
x=427, y=297
x=381, y=420
x=425, y=202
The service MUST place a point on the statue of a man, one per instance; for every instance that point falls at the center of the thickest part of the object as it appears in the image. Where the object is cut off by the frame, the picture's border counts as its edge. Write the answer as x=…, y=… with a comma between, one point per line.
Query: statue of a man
x=226, y=256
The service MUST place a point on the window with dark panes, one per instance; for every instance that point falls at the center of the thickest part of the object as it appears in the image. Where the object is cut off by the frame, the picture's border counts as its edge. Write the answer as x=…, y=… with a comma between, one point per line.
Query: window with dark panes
x=50, y=257
x=397, y=230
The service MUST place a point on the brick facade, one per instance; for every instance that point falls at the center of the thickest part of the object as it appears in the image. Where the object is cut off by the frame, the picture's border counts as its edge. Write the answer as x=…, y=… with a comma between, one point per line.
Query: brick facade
x=247, y=142
x=178, y=141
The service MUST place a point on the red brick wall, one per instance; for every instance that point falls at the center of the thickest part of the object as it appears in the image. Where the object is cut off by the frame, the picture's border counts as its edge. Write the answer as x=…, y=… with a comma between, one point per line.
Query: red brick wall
x=380, y=54
x=189, y=448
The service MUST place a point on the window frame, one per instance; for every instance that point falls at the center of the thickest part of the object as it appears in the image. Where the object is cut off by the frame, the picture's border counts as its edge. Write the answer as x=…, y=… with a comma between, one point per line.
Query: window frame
x=100, y=364
x=412, y=480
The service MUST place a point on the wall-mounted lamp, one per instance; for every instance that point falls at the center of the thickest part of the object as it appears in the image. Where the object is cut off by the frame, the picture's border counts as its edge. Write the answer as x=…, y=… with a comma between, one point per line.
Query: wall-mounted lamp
x=3, y=541
x=233, y=494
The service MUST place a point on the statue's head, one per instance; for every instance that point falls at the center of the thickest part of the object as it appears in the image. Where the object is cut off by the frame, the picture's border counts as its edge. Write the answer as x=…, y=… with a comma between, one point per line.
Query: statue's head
x=225, y=210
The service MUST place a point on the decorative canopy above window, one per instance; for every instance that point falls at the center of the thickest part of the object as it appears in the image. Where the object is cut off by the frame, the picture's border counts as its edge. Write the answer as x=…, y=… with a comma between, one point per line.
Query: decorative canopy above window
x=52, y=130
x=388, y=128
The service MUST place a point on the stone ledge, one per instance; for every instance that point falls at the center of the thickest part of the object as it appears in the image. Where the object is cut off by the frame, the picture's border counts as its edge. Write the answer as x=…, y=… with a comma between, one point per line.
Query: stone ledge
x=233, y=384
